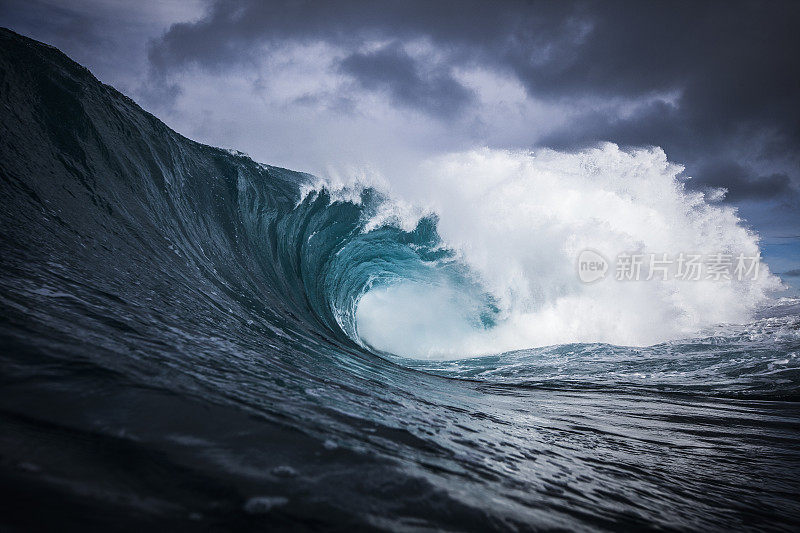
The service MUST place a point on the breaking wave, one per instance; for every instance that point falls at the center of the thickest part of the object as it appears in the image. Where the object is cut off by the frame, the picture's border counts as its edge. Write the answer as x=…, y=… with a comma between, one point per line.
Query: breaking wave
x=188, y=333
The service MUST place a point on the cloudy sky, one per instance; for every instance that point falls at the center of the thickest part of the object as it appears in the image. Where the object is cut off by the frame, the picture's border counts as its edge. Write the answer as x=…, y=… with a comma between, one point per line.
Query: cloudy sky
x=328, y=86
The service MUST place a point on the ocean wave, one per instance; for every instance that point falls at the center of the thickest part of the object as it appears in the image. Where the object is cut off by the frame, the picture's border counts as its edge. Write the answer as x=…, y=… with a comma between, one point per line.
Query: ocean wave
x=189, y=335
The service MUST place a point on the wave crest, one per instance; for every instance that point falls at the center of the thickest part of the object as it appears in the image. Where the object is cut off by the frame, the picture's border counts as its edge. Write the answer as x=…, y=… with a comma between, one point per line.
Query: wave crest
x=513, y=224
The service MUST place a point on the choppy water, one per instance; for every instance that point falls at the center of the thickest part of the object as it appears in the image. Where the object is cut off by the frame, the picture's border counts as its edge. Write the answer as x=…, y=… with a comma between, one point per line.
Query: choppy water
x=179, y=348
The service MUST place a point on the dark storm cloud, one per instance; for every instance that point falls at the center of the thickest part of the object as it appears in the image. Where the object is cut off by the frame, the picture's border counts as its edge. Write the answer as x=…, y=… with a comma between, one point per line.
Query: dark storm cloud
x=644, y=126
x=741, y=183
x=730, y=66
x=713, y=83
x=391, y=69
x=465, y=32
x=231, y=28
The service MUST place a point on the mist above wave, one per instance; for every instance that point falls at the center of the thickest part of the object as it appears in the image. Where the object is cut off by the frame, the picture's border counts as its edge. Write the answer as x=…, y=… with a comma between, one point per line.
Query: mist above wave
x=518, y=221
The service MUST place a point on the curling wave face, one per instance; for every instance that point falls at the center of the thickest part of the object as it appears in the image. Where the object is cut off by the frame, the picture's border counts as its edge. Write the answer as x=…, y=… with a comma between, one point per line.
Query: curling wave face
x=188, y=333
x=517, y=223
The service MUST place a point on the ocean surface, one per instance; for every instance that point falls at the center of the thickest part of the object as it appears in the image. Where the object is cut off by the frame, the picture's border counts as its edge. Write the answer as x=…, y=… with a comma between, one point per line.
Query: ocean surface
x=181, y=348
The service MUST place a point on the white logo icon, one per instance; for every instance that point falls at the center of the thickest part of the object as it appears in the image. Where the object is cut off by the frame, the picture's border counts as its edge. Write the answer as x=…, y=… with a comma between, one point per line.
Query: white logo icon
x=591, y=266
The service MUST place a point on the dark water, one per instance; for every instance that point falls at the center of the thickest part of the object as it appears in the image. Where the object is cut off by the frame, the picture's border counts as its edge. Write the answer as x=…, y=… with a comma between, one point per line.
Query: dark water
x=176, y=350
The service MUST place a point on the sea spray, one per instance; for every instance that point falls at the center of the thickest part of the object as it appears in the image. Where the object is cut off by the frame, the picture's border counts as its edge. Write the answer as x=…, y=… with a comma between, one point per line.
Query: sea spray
x=518, y=222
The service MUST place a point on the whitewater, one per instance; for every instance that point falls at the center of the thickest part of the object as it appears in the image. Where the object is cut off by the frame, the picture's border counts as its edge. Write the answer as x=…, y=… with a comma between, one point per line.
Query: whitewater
x=517, y=221
x=194, y=340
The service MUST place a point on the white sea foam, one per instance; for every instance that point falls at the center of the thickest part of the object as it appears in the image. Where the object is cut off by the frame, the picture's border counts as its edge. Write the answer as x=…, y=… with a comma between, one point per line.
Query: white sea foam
x=520, y=220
